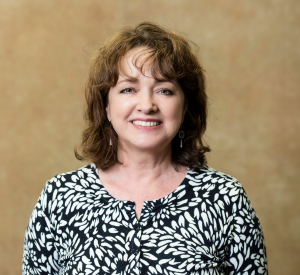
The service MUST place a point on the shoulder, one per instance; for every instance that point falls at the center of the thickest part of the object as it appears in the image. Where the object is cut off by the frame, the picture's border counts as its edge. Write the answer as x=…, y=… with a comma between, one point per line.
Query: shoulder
x=65, y=185
x=208, y=175
x=217, y=188
x=85, y=173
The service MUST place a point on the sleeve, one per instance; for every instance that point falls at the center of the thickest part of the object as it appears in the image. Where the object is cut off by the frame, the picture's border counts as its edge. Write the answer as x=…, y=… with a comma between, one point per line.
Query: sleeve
x=40, y=255
x=246, y=248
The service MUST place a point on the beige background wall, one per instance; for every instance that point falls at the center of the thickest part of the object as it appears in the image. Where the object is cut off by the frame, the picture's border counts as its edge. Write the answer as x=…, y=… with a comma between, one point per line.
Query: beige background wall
x=251, y=53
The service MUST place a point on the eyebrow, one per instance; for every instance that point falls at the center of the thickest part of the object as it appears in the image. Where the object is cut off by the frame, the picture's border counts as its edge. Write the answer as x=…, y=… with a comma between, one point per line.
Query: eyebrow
x=136, y=80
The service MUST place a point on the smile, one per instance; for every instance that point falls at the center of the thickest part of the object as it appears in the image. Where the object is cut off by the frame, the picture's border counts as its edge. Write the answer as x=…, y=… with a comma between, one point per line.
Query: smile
x=146, y=123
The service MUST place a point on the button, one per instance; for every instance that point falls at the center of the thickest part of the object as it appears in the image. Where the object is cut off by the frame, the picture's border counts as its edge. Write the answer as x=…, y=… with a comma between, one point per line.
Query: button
x=136, y=252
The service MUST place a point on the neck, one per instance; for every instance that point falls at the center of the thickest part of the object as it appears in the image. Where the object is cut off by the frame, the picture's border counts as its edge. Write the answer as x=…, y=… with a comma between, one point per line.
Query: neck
x=143, y=175
x=145, y=160
x=144, y=166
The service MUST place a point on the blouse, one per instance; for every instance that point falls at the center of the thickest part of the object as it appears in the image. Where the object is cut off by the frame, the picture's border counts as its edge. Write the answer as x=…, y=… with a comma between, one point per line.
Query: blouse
x=207, y=225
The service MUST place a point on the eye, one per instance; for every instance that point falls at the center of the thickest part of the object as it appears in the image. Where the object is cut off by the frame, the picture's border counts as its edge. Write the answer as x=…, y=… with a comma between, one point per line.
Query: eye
x=166, y=92
x=127, y=91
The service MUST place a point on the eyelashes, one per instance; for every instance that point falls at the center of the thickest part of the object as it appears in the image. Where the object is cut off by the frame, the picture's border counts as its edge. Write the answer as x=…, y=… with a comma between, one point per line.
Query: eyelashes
x=127, y=91
x=165, y=91
x=162, y=91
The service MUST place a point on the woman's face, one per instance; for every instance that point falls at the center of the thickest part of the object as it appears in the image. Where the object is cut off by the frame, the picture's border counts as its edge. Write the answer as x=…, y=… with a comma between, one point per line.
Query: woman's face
x=145, y=114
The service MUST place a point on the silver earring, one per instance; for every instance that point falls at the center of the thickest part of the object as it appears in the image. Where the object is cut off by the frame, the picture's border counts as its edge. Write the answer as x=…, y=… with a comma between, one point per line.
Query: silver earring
x=181, y=136
x=110, y=142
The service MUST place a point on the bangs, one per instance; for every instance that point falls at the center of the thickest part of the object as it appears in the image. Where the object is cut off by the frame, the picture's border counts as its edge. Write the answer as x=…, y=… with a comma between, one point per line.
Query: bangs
x=160, y=64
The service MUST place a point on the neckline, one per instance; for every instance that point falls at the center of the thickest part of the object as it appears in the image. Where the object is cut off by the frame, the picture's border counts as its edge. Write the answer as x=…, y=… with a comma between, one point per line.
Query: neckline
x=160, y=201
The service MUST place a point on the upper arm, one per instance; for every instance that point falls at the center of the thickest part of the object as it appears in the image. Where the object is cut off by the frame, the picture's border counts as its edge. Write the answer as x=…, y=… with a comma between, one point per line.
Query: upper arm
x=40, y=255
x=247, y=251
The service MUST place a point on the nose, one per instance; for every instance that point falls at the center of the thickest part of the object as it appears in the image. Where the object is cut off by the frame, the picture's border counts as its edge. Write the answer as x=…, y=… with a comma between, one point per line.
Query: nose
x=146, y=103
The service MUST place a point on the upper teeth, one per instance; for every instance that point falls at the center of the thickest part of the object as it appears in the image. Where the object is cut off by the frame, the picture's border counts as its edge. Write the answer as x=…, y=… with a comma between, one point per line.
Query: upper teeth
x=145, y=123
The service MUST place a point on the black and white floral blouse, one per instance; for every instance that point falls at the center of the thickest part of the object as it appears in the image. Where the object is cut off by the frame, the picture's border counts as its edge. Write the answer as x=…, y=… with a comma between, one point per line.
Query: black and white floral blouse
x=206, y=226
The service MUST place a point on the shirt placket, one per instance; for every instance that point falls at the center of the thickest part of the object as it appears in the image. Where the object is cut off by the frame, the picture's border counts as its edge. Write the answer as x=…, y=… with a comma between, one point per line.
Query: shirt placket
x=133, y=266
x=135, y=247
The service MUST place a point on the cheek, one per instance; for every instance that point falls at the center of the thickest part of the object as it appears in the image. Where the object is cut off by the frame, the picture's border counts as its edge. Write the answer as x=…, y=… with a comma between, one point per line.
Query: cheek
x=175, y=112
x=173, y=118
x=120, y=109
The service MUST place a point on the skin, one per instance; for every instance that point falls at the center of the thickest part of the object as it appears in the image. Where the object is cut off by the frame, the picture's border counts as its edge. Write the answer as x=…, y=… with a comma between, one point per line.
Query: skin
x=147, y=172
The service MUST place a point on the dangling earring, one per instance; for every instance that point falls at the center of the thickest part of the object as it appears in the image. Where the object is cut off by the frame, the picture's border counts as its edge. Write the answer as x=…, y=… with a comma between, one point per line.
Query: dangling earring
x=181, y=136
x=110, y=142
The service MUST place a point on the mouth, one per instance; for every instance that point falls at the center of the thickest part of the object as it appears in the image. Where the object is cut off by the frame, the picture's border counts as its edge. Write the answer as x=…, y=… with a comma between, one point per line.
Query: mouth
x=145, y=123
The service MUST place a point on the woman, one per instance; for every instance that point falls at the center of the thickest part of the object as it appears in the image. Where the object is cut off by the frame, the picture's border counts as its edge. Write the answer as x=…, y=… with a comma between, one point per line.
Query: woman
x=147, y=204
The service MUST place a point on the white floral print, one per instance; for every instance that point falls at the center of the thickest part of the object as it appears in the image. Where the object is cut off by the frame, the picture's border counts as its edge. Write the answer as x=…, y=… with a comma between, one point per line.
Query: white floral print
x=206, y=226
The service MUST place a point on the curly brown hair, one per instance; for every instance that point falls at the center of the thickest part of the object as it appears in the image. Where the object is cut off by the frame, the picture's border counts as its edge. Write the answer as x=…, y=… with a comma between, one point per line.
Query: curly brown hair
x=172, y=57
